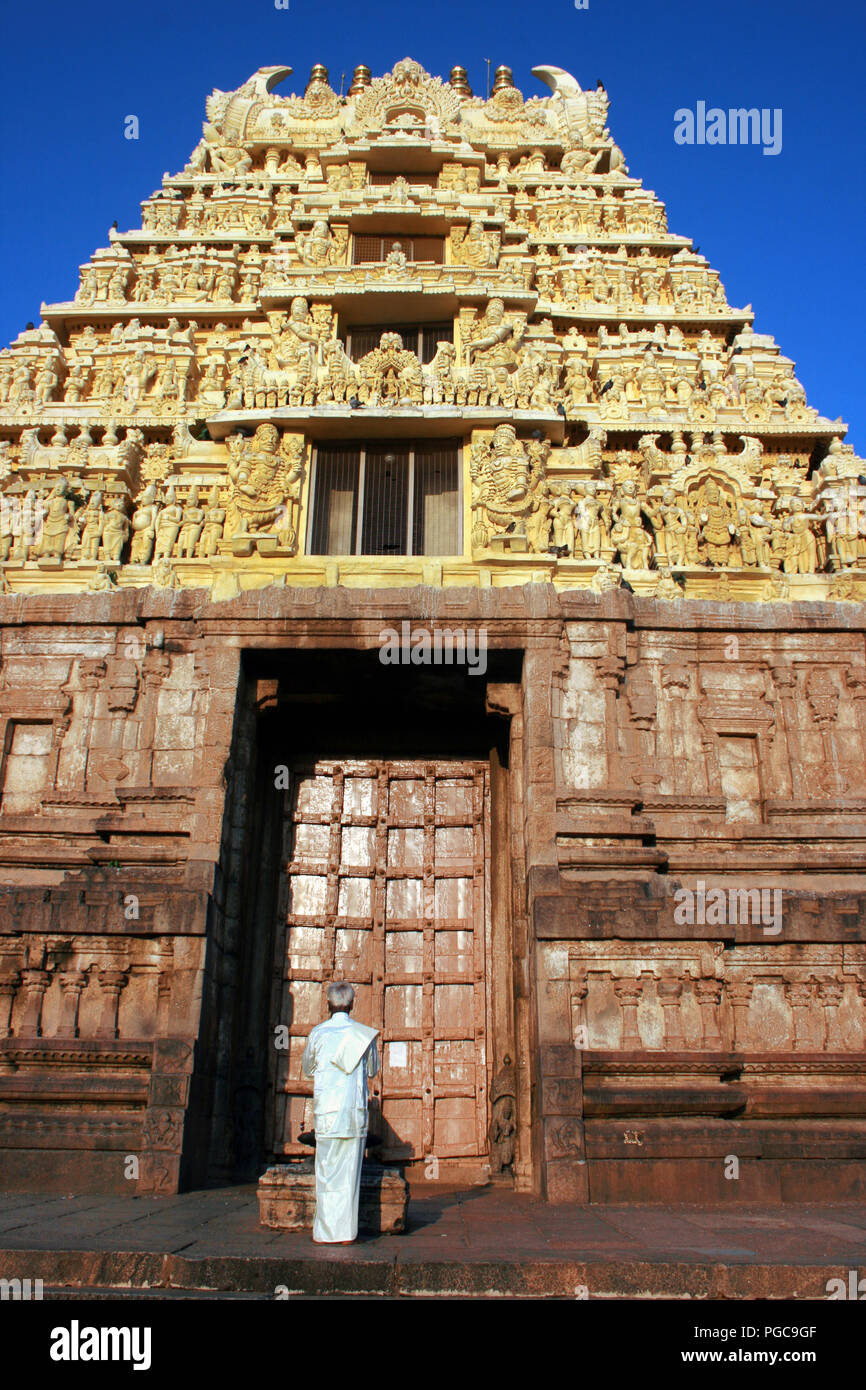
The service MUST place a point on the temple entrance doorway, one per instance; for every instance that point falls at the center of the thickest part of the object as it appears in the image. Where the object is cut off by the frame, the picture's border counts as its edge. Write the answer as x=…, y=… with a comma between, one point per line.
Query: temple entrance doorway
x=377, y=851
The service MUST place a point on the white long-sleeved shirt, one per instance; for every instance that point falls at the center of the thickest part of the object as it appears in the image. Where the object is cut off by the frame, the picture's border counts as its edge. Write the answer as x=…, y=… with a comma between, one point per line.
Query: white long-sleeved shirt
x=339, y=1097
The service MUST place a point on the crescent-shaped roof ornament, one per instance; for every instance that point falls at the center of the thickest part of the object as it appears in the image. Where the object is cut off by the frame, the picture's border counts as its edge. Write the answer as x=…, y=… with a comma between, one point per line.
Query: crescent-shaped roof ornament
x=560, y=82
x=272, y=75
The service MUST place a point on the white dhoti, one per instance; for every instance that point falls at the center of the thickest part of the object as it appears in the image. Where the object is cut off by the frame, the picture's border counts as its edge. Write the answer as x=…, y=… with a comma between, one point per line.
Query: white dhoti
x=339, y=1055
x=338, y=1188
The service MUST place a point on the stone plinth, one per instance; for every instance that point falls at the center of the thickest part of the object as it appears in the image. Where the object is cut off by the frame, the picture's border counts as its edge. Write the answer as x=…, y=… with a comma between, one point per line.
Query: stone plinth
x=287, y=1197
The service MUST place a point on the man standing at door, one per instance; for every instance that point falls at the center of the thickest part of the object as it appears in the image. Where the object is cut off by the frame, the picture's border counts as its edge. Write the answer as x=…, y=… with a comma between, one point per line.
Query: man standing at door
x=340, y=1055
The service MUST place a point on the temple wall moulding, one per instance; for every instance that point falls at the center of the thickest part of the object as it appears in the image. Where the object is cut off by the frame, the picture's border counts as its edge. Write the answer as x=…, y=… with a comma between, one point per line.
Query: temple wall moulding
x=679, y=996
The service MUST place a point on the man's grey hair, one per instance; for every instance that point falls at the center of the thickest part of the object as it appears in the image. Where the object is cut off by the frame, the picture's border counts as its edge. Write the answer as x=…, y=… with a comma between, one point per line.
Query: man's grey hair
x=341, y=997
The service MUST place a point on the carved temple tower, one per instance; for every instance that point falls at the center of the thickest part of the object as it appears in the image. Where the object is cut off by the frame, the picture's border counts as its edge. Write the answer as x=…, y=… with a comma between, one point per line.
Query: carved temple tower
x=416, y=363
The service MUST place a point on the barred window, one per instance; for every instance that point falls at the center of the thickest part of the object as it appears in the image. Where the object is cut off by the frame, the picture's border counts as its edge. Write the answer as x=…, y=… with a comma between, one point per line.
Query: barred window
x=420, y=338
x=389, y=175
x=387, y=497
x=367, y=248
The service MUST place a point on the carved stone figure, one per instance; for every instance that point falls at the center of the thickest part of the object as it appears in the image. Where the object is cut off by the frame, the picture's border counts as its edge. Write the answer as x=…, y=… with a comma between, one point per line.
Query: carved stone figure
x=56, y=523
x=319, y=246
x=505, y=481
x=474, y=246
x=717, y=527
x=144, y=527
x=802, y=549
x=214, y=524
x=627, y=532
x=167, y=526
x=263, y=474
x=93, y=521
x=115, y=530
x=191, y=527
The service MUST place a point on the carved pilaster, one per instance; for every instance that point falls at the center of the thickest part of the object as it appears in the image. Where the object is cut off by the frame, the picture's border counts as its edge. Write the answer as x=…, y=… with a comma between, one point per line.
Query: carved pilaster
x=641, y=701
x=822, y=694
x=163, y=998
x=785, y=679
x=629, y=994
x=855, y=680
x=8, y=987
x=72, y=982
x=34, y=984
x=830, y=995
x=111, y=982
x=676, y=681
x=800, y=995
x=739, y=994
x=708, y=994
x=669, y=993
x=610, y=670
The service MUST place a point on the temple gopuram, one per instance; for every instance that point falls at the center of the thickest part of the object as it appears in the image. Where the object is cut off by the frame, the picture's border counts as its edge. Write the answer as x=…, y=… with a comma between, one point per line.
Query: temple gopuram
x=410, y=366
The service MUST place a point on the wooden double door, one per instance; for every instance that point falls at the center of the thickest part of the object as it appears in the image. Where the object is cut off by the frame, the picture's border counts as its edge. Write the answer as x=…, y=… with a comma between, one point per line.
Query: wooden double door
x=384, y=885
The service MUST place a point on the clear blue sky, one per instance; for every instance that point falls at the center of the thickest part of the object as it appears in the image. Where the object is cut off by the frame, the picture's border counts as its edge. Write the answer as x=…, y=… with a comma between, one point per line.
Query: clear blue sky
x=785, y=232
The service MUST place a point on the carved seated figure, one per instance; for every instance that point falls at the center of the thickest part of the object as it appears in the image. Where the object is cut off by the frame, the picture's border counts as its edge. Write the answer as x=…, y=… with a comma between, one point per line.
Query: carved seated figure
x=474, y=246
x=230, y=158
x=395, y=261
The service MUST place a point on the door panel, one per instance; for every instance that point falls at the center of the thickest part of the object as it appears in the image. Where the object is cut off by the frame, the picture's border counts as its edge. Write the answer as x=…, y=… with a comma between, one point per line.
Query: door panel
x=384, y=886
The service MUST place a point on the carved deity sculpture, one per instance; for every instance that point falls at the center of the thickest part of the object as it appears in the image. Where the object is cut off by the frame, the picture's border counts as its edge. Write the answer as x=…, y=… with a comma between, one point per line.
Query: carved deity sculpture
x=390, y=374
x=144, y=527
x=492, y=343
x=228, y=157
x=320, y=246
x=298, y=340
x=214, y=524
x=167, y=526
x=592, y=524
x=396, y=260
x=115, y=530
x=802, y=550
x=92, y=522
x=842, y=533
x=56, y=523
x=717, y=527
x=627, y=532
x=191, y=527
x=474, y=246
x=505, y=480
x=670, y=524
x=263, y=475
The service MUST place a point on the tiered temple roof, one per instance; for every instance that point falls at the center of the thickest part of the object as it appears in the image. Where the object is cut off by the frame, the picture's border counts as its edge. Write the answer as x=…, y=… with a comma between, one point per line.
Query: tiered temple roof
x=412, y=335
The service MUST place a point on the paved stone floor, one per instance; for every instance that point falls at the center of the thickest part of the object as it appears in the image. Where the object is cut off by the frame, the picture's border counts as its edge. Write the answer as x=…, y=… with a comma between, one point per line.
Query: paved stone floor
x=480, y=1241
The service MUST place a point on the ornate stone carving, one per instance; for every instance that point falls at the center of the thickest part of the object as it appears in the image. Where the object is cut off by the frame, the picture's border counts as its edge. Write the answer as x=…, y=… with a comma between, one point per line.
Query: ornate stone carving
x=506, y=491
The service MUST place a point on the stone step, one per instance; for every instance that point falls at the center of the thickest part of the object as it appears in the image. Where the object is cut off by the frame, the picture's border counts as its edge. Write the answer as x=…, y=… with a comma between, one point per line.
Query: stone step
x=447, y=1273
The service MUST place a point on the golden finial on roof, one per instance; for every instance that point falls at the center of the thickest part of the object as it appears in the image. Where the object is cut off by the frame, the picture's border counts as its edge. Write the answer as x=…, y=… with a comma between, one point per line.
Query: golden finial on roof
x=502, y=78
x=318, y=73
x=459, y=80
x=361, y=78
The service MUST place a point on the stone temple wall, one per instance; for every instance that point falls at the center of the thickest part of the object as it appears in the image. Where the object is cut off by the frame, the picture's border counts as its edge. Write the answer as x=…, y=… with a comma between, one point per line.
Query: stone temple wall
x=704, y=948
x=655, y=1028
